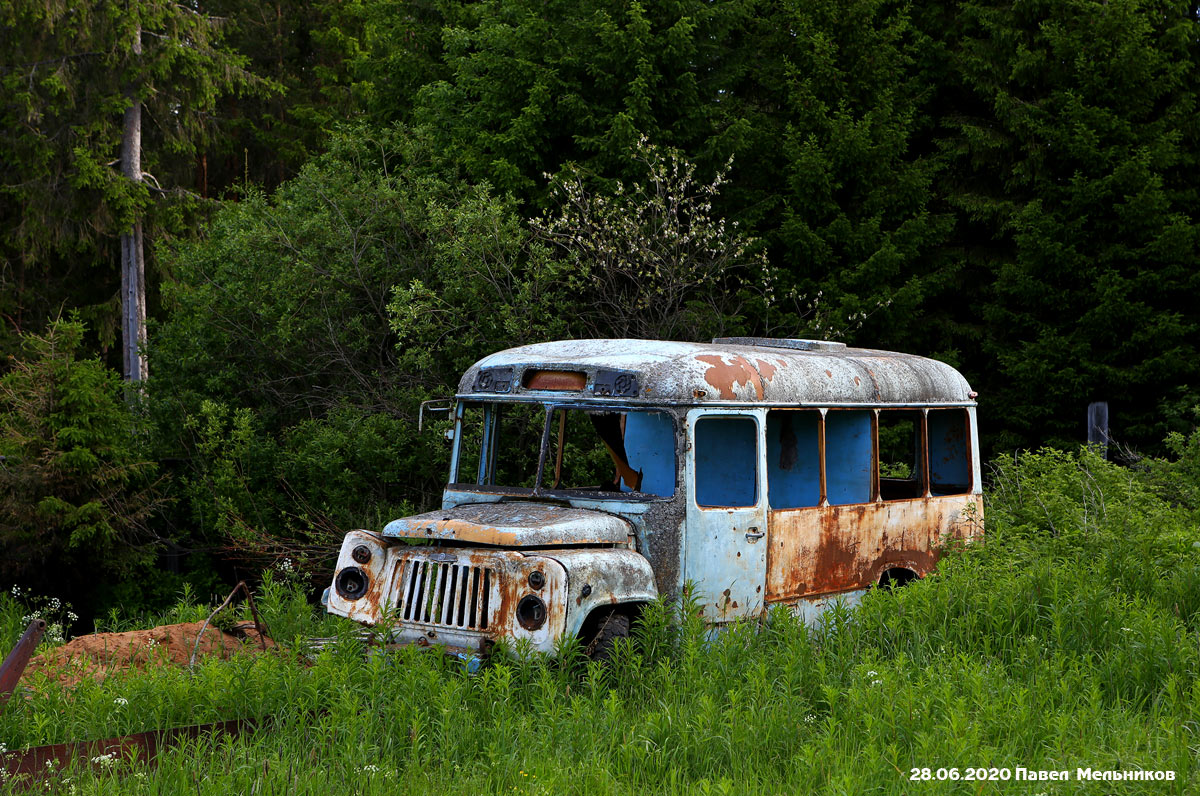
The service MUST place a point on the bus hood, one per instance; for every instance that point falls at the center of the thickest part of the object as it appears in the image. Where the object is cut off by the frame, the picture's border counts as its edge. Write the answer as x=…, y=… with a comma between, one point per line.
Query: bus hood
x=517, y=524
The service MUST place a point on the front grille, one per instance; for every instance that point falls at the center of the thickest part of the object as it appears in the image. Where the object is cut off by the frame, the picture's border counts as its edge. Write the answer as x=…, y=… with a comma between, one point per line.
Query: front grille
x=451, y=595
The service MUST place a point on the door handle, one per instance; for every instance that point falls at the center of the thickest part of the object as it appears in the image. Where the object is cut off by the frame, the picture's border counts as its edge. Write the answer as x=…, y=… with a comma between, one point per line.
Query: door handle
x=754, y=534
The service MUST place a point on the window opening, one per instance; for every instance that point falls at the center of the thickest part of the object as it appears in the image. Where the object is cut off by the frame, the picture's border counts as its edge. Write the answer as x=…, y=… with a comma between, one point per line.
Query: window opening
x=901, y=454
x=849, y=455
x=726, y=461
x=793, y=458
x=520, y=445
x=949, y=452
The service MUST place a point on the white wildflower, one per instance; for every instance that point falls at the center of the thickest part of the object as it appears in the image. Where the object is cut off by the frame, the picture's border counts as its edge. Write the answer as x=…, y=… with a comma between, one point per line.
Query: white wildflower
x=120, y=702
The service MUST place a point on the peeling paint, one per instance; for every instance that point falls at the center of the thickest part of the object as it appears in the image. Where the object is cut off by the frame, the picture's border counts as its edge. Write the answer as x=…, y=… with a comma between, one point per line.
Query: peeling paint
x=515, y=524
x=726, y=376
x=765, y=369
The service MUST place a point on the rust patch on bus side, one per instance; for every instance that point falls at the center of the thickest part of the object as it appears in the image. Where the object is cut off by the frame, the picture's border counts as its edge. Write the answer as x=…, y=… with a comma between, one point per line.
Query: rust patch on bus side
x=726, y=376
x=815, y=551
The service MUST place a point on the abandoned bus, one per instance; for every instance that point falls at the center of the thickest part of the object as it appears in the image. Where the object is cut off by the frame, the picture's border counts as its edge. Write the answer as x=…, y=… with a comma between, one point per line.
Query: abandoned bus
x=588, y=477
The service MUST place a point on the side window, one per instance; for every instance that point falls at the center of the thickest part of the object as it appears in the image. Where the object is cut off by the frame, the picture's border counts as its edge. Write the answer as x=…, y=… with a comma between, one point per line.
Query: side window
x=650, y=448
x=849, y=456
x=901, y=455
x=726, y=451
x=949, y=452
x=793, y=458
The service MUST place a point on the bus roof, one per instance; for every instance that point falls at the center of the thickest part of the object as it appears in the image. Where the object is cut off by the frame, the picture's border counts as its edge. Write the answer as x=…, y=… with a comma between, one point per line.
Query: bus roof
x=727, y=371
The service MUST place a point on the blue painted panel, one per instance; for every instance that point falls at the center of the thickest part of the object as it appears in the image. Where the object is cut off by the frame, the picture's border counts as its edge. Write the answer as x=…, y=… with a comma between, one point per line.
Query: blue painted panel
x=726, y=461
x=949, y=466
x=848, y=456
x=650, y=448
x=793, y=459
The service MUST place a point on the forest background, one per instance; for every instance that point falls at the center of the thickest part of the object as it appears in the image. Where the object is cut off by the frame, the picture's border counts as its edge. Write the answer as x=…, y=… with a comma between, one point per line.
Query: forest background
x=345, y=203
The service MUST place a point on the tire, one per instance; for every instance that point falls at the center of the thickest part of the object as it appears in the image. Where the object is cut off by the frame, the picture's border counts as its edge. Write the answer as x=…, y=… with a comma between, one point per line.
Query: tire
x=613, y=626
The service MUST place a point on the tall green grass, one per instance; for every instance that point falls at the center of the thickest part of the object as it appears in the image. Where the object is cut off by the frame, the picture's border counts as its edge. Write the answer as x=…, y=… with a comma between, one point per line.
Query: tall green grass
x=1067, y=639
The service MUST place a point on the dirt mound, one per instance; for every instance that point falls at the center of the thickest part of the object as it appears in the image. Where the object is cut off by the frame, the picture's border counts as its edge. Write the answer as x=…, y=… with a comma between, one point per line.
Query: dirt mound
x=101, y=654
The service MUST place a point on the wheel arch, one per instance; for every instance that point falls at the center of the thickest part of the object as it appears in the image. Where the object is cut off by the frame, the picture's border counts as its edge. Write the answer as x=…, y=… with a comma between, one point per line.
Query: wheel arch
x=601, y=580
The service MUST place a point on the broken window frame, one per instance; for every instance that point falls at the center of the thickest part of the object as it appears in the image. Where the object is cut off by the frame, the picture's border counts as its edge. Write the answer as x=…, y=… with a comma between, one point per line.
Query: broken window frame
x=491, y=442
x=966, y=458
x=921, y=470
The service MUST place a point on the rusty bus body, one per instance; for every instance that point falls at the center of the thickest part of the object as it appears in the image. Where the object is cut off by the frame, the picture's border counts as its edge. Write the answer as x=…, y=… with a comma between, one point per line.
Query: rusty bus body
x=762, y=471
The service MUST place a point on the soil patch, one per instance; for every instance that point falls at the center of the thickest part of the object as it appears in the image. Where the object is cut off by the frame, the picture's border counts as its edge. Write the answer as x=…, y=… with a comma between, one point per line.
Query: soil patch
x=100, y=654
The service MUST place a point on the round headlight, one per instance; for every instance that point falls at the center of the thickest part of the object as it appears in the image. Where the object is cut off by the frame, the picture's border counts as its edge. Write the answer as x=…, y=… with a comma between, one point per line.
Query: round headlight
x=531, y=612
x=351, y=583
x=361, y=554
x=537, y=579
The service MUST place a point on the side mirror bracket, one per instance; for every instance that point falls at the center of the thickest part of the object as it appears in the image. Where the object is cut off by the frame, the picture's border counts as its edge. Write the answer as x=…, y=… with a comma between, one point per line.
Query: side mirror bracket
x=433, y=405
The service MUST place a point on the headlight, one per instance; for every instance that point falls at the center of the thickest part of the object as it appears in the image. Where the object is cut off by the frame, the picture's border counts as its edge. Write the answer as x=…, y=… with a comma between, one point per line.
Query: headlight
x=351, y=583
x=531, y=612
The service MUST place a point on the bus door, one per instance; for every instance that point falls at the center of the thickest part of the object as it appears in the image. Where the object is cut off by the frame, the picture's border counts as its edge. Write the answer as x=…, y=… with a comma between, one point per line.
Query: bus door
x=725, y=547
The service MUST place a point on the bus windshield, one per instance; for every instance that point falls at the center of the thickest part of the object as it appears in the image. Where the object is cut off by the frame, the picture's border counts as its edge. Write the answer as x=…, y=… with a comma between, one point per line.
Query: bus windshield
x=539, y=448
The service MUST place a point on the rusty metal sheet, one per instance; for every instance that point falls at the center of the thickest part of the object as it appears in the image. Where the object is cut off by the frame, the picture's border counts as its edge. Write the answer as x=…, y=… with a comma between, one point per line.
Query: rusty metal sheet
x=25, y=768
x=514, y=524
x=602, y=577
x=16, y=660
x=658, y=528
x=822, y=550
x=740, y=372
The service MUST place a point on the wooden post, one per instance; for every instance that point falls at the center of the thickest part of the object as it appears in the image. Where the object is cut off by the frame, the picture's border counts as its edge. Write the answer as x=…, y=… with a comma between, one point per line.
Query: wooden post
x=1098, y=427
x=133, y=264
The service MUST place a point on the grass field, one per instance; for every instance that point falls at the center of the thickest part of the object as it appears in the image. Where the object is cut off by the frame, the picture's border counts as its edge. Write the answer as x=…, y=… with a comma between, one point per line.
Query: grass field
x=1068, y=640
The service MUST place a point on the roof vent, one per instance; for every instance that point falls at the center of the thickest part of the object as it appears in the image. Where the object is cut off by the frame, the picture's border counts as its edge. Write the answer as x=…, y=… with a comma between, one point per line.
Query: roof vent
x=782, y=342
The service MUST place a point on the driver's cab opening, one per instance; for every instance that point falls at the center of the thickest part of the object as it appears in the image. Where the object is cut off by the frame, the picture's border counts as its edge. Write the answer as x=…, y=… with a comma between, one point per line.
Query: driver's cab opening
x=563, y=450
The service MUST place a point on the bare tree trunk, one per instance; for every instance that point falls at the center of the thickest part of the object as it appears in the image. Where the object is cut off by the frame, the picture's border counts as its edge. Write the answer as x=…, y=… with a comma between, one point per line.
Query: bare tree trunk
x=133, y=264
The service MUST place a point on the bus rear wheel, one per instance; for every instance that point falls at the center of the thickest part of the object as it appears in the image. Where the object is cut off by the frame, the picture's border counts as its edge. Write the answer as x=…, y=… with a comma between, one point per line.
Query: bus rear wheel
x=897, y=577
